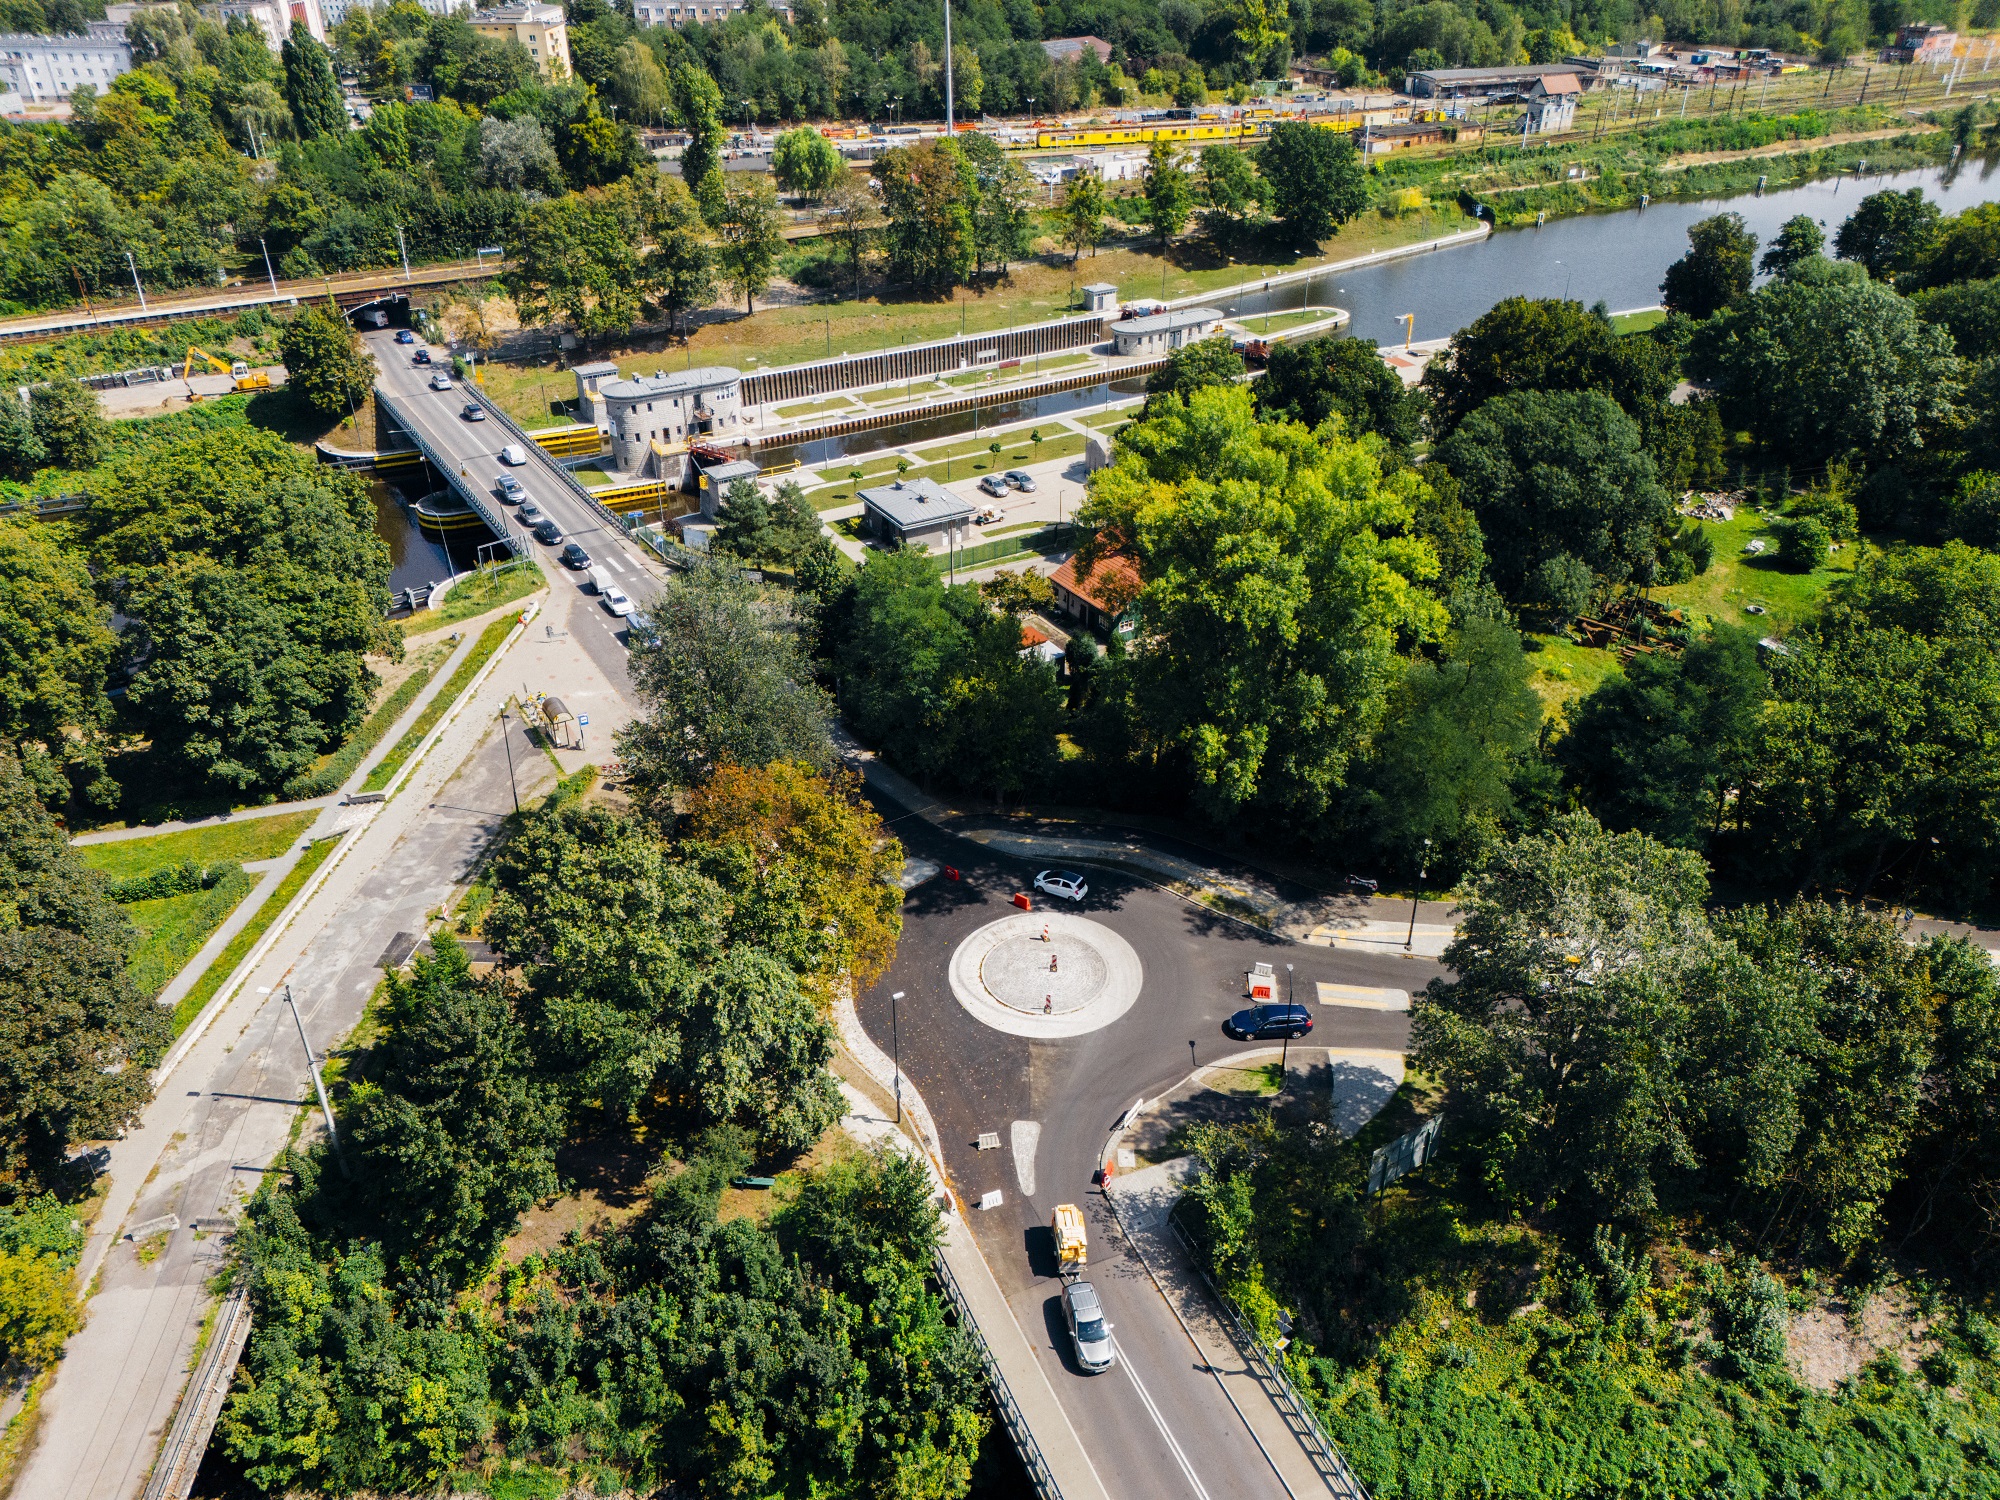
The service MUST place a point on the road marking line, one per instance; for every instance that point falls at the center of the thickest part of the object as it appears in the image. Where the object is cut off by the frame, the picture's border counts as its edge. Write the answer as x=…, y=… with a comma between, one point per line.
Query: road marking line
x=1159, y=1421
x=1363, y=997
x=612, y=558
x=1026, y=1135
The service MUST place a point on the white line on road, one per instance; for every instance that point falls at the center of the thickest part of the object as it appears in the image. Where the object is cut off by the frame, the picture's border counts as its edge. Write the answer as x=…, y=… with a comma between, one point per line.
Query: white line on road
x=1159, y=1421
x=1026, y=1136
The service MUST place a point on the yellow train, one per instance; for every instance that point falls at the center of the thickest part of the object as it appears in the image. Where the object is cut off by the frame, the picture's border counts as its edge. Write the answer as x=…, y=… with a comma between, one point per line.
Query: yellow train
x=1181, y=131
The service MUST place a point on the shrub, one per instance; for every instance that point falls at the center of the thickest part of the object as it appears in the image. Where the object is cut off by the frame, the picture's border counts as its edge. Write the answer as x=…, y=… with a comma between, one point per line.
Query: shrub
x=1803, y=544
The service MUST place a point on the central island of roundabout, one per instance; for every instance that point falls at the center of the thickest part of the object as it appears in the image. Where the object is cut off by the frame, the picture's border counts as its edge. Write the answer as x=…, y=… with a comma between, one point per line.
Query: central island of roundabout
x=1046, y=974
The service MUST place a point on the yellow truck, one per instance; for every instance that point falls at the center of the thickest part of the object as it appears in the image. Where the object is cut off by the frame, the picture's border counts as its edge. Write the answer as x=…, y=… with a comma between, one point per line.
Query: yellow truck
x=1072, y=1250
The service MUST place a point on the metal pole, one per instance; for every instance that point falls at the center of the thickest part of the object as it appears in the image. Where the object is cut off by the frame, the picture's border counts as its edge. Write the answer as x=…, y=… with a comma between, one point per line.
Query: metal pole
x=949, y=127
x=1410, y=938
x=141, y=290
x=403, y=250
x=267, y=264
x=1285, y=1053
x=896, y=1051
x=319, y=1084
x=509, y=746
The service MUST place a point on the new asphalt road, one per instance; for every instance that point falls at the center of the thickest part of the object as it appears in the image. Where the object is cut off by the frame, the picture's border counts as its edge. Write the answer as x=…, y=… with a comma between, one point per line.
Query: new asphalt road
x=1158, y=1425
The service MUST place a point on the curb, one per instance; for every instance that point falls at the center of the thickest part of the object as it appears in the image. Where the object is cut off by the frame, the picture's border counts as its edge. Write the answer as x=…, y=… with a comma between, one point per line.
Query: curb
x=451, y=714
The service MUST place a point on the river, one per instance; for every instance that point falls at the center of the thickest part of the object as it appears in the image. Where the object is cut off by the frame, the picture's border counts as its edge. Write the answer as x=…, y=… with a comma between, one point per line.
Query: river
x=1617, y=258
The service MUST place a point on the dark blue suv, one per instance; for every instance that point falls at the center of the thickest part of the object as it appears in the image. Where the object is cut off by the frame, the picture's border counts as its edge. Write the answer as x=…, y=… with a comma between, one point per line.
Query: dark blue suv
x=1269, y=1022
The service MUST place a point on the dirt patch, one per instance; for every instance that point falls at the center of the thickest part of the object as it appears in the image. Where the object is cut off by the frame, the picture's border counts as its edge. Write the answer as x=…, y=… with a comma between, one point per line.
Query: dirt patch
x=1828, y=1344
x=610, y=1174
x=758, y=1203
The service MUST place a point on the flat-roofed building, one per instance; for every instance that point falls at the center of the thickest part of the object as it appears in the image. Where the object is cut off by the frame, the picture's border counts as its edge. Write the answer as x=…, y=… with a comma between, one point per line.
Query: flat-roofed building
x=916, y=512
x=653, y=418
x=542, y=29
x=1477, y=83
x=44, y=68
x=1162, y=333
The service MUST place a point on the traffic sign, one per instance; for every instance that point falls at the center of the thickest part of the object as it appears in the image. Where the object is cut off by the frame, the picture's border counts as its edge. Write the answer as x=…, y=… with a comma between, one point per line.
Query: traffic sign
x=583, y=718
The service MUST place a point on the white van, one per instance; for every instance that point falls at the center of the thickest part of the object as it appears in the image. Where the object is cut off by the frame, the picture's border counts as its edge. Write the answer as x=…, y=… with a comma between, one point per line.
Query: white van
x=600, y=579
x=514, y=454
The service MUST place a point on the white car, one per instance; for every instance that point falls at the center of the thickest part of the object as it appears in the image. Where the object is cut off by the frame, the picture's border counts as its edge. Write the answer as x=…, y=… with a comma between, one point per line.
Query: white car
x=1062, y=883
x=514, y=454
x=615, y=600
x=440, y=381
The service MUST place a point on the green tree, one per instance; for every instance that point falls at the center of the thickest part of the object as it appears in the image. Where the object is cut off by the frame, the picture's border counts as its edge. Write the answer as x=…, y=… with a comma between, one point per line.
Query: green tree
x=310, y=87
x=79, y=1038
x=38, y=1309
x=1965, y=248
x=743, y=522
x=938, y=680
x=1799, y=239
x=1525, y=344
x=749, y=234
x=21, y=452
x=1558, y=475
x=1717, y=270
x=804, y=161
x=1169, y=197
x=1817, y=370
x=1319, y=379
x=1888, y=233
x=56, y=651
x=1205, y=362
x=1314, y=180
x=699, y=102
x=576, y=261
x=1562, y=1042
x=928, y=191
x=1229, y=190
x=1969, y=311
x=1803, y=544
x=1080, y=216
x=851, y=218
x=68, y=424
x=1274, y=592
x=1457, y=733
x=1003, y=218
x=722, y=681
x=1664, y=747
x=324, y=360
x=452, y=1137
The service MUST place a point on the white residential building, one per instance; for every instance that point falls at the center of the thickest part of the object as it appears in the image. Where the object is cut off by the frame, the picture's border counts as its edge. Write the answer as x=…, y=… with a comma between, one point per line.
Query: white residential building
x=542, y=29
x=43, y=68
x=335, y=11
x=693, y=12
x=275, y=17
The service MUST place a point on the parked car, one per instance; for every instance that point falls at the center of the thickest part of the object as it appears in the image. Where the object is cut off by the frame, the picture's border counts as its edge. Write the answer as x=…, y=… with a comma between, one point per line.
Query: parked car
x=473, y=412
x=993, y=484
x=1087, y=1328
x=1269, y=1022
x=440, y=381
x=509, y=489
x=615, y=600
x=1022, y=480
x=573, y=556
x=421, y=357
x=1062, y=883
x=548, y=533
x=404, y=336
x=531, y=513
x=639, y=626
x=514, y=454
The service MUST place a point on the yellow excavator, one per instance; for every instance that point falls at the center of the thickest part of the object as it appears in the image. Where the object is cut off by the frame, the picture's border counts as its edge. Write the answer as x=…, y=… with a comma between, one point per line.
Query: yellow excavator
x=246, y=378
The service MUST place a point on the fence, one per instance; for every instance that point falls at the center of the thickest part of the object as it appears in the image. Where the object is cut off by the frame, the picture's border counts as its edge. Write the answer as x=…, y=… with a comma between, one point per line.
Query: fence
x=892, y=365
x=1050, y=538
x=1268, y=1367
x=201, y=1403
x=1039, y=1473
x=45, y=507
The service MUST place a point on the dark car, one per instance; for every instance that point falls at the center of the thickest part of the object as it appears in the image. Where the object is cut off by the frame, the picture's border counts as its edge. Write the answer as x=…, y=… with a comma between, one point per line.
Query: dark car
x=548, y=533
x=404, y=336
x=574, y=556
x=1269, y=1022
x=421, y=357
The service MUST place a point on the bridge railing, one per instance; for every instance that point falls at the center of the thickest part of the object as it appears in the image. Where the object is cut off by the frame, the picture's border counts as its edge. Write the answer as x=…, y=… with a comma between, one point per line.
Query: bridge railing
x=610, y=516
x=1268, y=1367
x=1039, y=1472
x=482, y=502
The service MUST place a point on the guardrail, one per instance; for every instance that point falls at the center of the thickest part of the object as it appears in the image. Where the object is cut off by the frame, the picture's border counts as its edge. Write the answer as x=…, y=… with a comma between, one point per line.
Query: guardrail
x=1039, y=1472
x=606, y=512
x=201, y=1403
x=1268, y=1367
x=482, y=503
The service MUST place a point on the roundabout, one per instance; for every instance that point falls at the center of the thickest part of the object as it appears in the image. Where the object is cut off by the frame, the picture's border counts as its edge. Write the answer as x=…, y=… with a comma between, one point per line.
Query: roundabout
x=1046, y=974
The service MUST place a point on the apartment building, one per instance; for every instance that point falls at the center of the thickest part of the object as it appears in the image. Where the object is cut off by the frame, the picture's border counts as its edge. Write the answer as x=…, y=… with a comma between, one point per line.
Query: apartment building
x=539, y=28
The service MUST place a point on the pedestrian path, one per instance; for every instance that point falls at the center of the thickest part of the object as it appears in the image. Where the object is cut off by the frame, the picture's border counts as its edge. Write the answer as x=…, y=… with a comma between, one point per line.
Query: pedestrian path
x=154, y=830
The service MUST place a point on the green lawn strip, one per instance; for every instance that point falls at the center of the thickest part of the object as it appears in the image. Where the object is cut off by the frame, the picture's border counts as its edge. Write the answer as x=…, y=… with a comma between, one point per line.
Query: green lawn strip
x=477, y=595
x=1738, y=579
x=1111, y=418
x=812, y=408
x=1565, y=671
x=1279, y=322
x=329, y=771
x=489, y=642
x=592, y=478
x=214, y=976
x=994, y=534
x=173, y=928
x=1638, y=322
x=243, y=840
x=949, y=466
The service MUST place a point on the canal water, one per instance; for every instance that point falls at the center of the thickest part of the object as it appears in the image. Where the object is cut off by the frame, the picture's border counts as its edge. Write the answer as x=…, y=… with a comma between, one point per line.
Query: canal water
x=418, y=557
x=1617, y=258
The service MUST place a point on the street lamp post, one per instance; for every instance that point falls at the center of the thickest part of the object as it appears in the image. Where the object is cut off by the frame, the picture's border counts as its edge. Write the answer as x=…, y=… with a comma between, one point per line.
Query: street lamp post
x=136, y=285
x=896, y=1051
x=1285, y=1054
x=267, y=264
x=1423, y=872
x=312, y=1065
x=509, y=746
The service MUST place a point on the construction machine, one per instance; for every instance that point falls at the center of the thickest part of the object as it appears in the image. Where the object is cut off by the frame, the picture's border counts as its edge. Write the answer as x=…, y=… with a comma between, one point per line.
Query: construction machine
x=246, y=378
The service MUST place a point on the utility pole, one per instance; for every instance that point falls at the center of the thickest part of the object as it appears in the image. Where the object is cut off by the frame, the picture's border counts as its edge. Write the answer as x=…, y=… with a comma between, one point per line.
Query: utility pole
x=509, y=744
x=319, y=1083
x=896, y=1046
x=950, y=129
x=403, y=250
x=1423, y=874
x=136, y=286
x=267, y=264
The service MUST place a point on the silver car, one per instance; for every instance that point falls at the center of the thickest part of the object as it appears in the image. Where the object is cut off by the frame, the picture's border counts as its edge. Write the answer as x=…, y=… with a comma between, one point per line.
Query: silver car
x=1022, y=480
x=1087, y=1328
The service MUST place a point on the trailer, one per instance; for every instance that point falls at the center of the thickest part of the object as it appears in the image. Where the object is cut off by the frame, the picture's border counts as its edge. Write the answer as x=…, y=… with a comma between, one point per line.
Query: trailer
x=1072, y=1249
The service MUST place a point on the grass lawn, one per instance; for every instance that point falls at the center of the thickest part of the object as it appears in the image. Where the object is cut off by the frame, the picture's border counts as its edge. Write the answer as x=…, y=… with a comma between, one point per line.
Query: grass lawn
x=226, y=961
x=592, y=478
x=1565, y=671
x=1639, y=322
x=956, y=461
x=1279, y=322
x=914, y=390
x=536, y=396
x=1027, y=369
x=1737, y=580
x=489, y=642
x=173, y=928
x=244, y=840
x=477, y=595
x=999, y=531
x=1112, y=418
x=813, y=408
